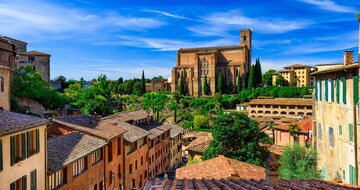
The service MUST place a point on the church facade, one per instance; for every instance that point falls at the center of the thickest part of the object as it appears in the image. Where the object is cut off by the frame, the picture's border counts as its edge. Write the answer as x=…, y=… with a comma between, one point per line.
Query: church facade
x=196, y=63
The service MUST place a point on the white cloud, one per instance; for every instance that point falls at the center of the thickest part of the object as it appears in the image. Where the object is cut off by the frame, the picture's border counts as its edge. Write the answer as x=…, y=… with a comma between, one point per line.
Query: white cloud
x=167, y=44
x=330, y=6
x=39, y=18
x=217, y=24
x=169, y=14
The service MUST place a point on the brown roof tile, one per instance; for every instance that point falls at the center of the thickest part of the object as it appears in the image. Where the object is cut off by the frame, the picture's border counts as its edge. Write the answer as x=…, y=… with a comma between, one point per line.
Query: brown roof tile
x=132, y=115
x=220, y=167
x=91, y=125
x=175, y=130
x=62, y=150
x=211, y=48
x=12, y=122
x=35, y=53
x=305, y=126
x=282, y=101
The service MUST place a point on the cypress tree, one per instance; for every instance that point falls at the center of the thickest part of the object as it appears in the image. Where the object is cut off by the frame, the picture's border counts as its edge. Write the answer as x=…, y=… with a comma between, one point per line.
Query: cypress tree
x=259, y=73
x=143, y=86
x=220, y=83
x=181, y=89
x=231, y=86
x=206, y=86
x=239, y=84
x=251, y=83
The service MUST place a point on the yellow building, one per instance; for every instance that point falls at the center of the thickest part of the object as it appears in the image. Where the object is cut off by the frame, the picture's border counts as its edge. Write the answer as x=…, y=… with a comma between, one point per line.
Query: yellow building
x=22, y=151
x=295, y=75
x=336, y=121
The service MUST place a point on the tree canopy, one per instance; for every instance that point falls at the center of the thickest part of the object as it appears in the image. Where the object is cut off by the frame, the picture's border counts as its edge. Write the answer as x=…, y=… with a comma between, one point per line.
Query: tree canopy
x=258, y=73
x=220, y=83
x=358, y=16
x=267, y=77
x=297, y=162
x=237, y=136
x=280, y=81
x=206, y=86
x=251, y=81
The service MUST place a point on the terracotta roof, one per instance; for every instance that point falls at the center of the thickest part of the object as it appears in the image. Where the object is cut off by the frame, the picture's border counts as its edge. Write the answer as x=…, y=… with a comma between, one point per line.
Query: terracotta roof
x=220, y=167
x=211, y=48
x=62, y=150
x=131, y=115
x=200, y=144
x=289, y=120
x=305, y=126
x=94, y=126
x=282, y=101
x=196, y=134
x=244, y=184
x=297, y=65
x=243, y=104
x=264, y=119
x=155, y=129
x=335, y=69
x=35, y=53
x=11, y=122
x=201, y=148
x=237, y=111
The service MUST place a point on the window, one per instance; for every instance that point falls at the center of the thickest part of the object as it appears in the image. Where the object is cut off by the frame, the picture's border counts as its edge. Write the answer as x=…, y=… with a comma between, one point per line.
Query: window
x=132, y=184
x=101, y=185
x=79, y=166
x=130, y=148
x=344, y=175
x=57, y=179
x=32, y=142
x=324, y=173
x=2, y=84
x=33, y=181
x=130, y=168
x=340, y=129
x=142, y=160
x=136, y=165
x=352, y=175
x=19, y=184
x=31, y=59
x=110, y=152
x=24, y=145
x=96, y=156
x=119, y=146
x=119, y=170
x=1, y=157
x=356, y=89
x=331, y=136
x=319, y=131
x=342, y=91
x=330, y=91
x=95, y=187
x=351, y=132
x=145, y=174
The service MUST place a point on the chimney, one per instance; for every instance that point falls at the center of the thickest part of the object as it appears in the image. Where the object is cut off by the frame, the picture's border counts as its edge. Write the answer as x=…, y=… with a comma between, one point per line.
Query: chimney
x=348, y=57
x=272, y=171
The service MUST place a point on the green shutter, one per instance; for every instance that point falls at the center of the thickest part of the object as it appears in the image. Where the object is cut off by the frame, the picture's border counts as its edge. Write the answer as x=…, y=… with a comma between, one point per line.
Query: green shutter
x=337, y=91
x=12, y=186
x=352, y=175
x=12, y=150
x=37, y=141
x=320, y=90
x=332, y=90
x=340, y=129
x=356, y=89
x=316, y=90
x=344, y=90
x=1, y=156
x=29, y=143
x=326, y=90
x=351, y=132
x=23, y=145
x=23, y=180
x=33, y=180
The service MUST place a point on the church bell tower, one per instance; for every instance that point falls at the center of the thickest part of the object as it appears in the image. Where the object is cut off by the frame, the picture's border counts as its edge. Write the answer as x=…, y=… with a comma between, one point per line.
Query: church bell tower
x=246, y=39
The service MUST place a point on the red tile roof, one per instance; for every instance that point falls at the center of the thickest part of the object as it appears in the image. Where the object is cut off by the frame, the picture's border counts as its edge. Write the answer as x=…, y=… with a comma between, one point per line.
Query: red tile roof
x=200, y=144
x=35, y=53
x=305, y=126
x=282, y=101
x=220, y=167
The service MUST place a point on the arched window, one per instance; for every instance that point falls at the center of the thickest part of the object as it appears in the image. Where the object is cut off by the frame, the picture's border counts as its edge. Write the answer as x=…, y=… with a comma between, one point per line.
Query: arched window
x=282, y=113
x=2, y=84
x=291, y=113
x=244, y=39
x=267, y=112
x=275, y=112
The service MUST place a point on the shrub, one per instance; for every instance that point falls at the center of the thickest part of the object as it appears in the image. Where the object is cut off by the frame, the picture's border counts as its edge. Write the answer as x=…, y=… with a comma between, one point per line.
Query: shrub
x=201, y=121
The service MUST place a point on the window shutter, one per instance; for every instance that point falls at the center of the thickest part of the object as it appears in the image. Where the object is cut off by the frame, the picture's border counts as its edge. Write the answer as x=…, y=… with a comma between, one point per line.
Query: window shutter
x=1, y=156
x=37, y=141
x=356, y=89
x=316, y=90
x=332, y=90
x=33, y=180
x=320, y=90
x=29, y=143
x=344, y=90
x=24, y=182
x=326, y=90
x=23, y=145
x=12, y=186
x=337, y=91
x=12, y=150
x=351, y=132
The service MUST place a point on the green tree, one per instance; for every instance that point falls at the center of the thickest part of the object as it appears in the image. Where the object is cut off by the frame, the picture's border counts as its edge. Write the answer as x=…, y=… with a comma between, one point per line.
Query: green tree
x=181, y=87
x=252, y=80
x=137, y=88
x=267, y=77
x=294, y=130
x=128, y=87
x=73, y=93
x=201, y=121
x=120, y=80
x=238, y=88
x=280, y=81
x=297, y=162
x=258, y=73
x=155, y=101
x=174, y=106
x=237, y=136
x=220, y=83
x=206, y=86
x=358, y=17
x=82, y=81
x=143, y=85
x=231, y=86
x=272, y=127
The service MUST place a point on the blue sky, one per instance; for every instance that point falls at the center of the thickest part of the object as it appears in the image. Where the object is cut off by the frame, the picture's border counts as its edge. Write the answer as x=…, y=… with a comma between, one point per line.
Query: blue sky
x=120, y=38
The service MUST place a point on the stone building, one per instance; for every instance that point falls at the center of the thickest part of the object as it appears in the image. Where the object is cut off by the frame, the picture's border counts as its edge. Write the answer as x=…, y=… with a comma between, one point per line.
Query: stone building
x=158, y=85
x=22, y=151
x=280, y=107
x=175, y=145
x=196, y=63
x=112, y=153
x=336, y=120
x=7, y=67
x=296, y=75
x=40, y=61
x=20, y=46
x=283, y=137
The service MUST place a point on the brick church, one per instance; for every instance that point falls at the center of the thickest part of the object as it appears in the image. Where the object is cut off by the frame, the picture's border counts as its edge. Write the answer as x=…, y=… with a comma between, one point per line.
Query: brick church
x=196, y=63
